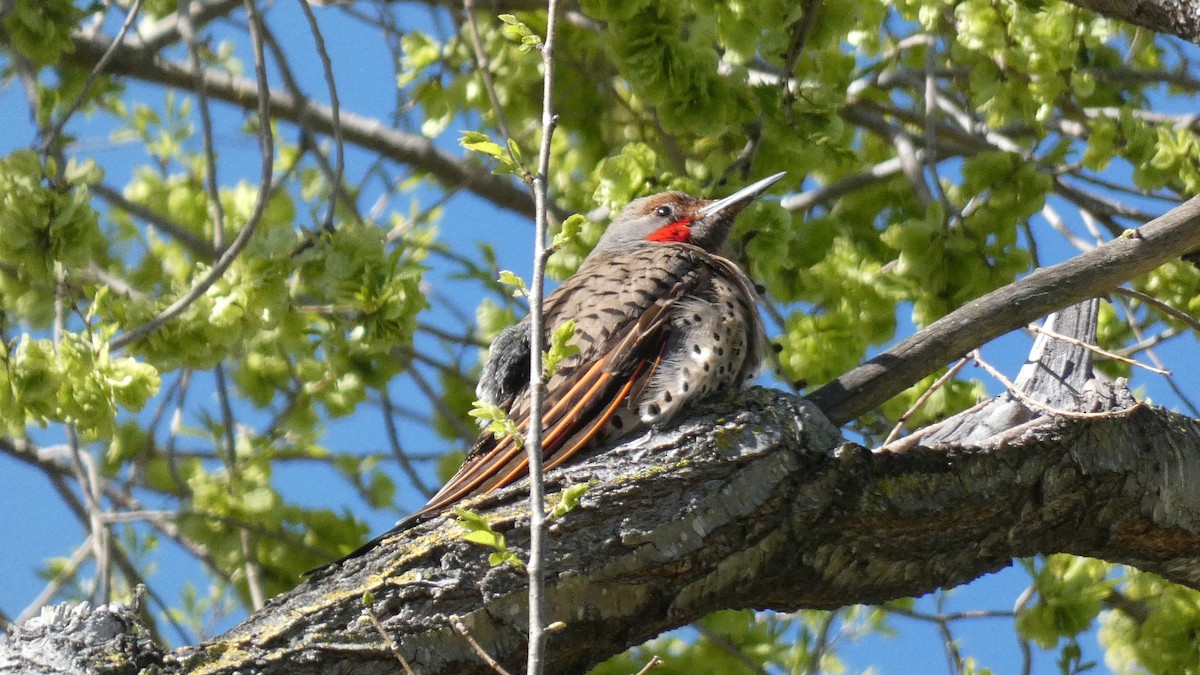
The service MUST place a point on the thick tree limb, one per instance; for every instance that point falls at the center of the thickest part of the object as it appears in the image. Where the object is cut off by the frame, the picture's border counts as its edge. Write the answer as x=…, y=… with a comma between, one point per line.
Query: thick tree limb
x=1172, y=17
x=80, y=639
x=755, y=504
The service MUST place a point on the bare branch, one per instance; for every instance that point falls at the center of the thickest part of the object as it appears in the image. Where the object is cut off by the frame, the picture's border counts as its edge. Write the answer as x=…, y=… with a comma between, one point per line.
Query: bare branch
x=536, y=644
x=1045, y=290
x=417, y=151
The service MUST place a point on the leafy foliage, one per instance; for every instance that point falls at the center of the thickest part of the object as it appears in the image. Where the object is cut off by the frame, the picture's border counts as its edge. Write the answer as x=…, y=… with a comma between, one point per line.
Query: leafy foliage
x=479, y=531
x=935, y=151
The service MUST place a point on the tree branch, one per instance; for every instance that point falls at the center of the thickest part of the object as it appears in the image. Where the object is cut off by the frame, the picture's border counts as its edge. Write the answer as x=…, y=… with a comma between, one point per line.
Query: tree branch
x=416, y=151
x=754, y=504
x=1045, y=290
x=1174, y=17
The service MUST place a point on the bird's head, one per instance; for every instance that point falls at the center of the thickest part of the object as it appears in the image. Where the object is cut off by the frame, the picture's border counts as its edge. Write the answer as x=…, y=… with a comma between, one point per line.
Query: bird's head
x=679, y=217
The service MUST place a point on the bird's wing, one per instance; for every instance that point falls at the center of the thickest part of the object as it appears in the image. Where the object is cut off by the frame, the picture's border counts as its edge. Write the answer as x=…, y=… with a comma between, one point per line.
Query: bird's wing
x=570, y=419
x=624, y=340
x=622, y=316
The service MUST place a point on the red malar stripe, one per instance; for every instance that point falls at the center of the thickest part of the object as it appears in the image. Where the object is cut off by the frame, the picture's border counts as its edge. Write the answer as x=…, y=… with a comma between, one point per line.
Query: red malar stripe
x=679, y=230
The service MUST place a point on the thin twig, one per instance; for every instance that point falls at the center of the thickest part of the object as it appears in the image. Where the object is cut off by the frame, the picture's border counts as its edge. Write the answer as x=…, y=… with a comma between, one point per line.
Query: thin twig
x=1136, y=329
x=439, y=403
x=726, y=645
x=946, y=617
x=820, y=644
x=876, y=174
x=485, y=73
x=267, y=145
x=461, y=629
x=168, y=30
x=65, y=572
x=952, y=654
x=923, y=398
x=211, y=185
x=1160, y=306
x=533, y=444
x=931, y=136
x=413, y=149
x=653, y=663
x=402, y=458
x=1029, y=400
x=82, y=463
x=1097, y=350
x=335, y=111
x=51, y=137
x=253, y=578
x=159, y=221
x=395, y=648
x=1059, y=225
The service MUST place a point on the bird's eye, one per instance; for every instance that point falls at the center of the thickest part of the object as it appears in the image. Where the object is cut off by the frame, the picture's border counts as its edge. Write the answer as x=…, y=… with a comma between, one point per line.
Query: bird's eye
x=663, y=211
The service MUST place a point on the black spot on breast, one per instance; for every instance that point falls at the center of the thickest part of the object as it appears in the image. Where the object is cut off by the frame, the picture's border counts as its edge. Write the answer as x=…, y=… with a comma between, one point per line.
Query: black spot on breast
x=618, y=422
x=654, y=409
x=667, y=396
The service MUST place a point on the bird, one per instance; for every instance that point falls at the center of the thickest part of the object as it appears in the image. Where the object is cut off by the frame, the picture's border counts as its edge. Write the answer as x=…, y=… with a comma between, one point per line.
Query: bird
x=662, y=322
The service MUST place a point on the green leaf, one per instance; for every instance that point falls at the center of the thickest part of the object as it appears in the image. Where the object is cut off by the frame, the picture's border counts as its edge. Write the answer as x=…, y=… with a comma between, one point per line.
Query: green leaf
x=570, y=499
x=499, y=423
x=569, y=232
x=479, y=531
x=479, y=142
x=515, y=30
x=509, y=278
x=560, y=348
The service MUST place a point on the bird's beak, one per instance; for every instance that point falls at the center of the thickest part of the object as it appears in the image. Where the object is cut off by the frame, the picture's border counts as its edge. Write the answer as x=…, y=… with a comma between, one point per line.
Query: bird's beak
x=738, y=200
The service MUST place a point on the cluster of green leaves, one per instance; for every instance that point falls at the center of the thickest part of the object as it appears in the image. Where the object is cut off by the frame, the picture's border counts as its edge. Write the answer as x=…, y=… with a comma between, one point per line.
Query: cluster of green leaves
x=480, y=531
x=744, y=641
x=1069, y=594
x=49, y=235
x=1161, y=637
x=308, y=323
x=47, y=227
x=694, y=95
x=41, y=29
x=498, y=423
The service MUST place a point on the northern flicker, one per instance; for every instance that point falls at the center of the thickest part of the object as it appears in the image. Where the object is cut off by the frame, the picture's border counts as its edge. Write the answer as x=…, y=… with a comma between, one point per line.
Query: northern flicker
x=661, y=322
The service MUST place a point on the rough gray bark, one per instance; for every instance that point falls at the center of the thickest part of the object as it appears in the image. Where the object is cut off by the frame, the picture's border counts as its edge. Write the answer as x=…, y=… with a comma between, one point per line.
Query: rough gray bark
x=1173, y=17
x=756, y=503
x=80, y=639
